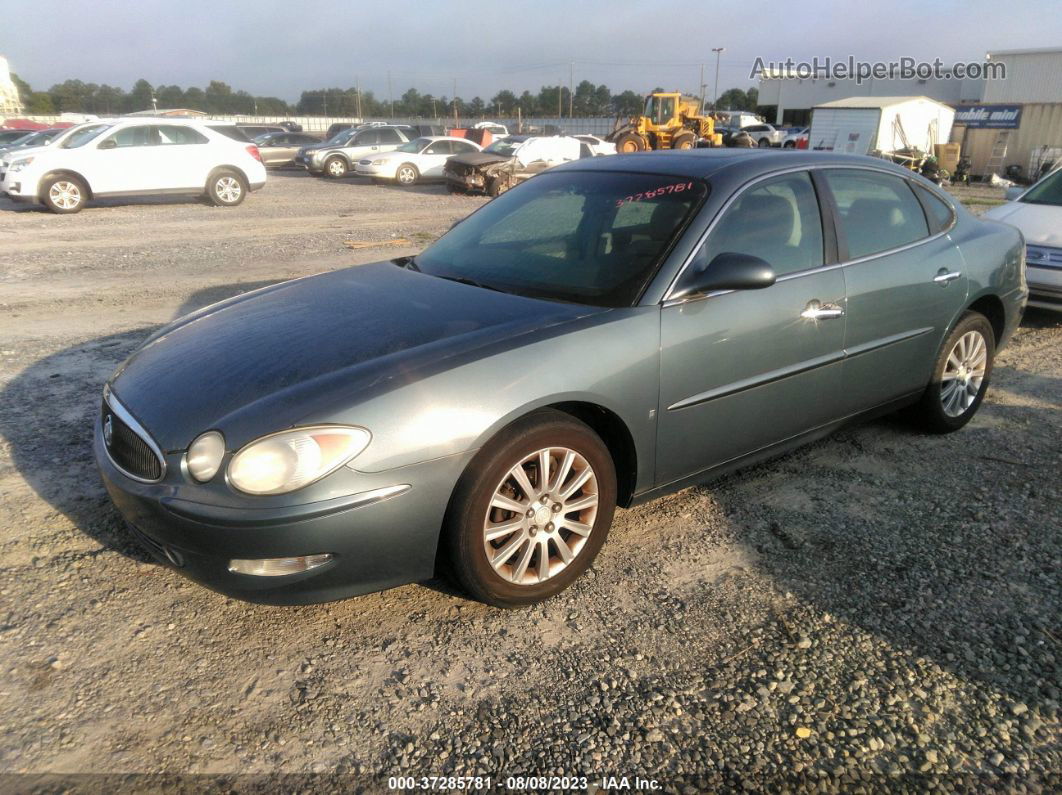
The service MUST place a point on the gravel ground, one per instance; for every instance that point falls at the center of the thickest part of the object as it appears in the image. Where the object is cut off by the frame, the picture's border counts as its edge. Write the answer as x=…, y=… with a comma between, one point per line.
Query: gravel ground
x=877, y=611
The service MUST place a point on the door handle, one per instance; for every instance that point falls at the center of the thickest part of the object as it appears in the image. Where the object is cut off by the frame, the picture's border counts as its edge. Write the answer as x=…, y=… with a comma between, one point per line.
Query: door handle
x=944, y=277
x=816, y=310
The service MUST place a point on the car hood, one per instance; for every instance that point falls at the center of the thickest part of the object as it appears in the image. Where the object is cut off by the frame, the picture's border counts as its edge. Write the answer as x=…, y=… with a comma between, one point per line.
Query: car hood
x=1040, y=223
x=477, y=159
x=263, y=361
x=10, y=153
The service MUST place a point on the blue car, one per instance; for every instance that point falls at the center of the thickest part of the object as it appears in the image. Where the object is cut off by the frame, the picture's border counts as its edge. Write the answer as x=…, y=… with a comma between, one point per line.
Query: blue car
x=612, y=330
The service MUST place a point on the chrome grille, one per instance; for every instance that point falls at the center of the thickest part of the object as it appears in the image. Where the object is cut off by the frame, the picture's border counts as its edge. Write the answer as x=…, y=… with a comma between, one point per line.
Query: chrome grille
x=1043, y=256
x=128, y=449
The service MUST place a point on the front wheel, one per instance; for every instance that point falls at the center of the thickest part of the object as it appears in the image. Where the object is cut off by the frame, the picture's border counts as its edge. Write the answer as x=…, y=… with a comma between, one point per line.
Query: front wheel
x=628, y=143
x=531, y=511
x=226, y=189
x=764, y=143
x=64, y=194
x=960, y=376
x=789, y=145
x=335, y=167
x=407, y=174
x=498, y=185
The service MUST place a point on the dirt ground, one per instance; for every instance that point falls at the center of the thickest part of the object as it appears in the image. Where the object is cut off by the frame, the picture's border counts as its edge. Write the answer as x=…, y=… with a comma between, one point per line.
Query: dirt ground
x=878, y=608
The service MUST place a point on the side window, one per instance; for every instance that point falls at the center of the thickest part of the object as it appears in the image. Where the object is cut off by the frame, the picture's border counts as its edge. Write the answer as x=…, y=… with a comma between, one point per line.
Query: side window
x=878, y=211
x=460, y=147
x=777, y=220
x=367, y=138
x=389, y=136
x=940, y=214
x=133, y=136
x=438, y=148
x=172, y=134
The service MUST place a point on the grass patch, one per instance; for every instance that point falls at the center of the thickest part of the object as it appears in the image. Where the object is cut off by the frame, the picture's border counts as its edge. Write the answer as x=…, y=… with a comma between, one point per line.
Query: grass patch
x=985, y=202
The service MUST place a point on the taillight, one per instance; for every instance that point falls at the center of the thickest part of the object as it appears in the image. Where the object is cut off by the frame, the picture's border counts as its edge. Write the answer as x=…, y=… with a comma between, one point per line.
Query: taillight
x=252, y=150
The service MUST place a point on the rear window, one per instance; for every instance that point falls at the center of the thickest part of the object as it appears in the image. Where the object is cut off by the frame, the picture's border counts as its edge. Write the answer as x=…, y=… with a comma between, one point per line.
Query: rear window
x=232, y=132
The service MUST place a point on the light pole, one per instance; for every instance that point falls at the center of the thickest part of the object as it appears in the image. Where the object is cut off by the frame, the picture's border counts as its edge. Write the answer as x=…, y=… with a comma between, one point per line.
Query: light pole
x=715, y=94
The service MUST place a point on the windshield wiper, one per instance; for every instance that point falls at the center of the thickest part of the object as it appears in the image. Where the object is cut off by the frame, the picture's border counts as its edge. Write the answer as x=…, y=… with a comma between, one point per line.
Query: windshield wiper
x=471, y=282
x=409, y=263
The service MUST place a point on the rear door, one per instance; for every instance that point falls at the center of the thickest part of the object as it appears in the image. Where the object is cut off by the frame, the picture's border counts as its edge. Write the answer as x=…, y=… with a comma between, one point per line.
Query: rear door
x=183, y=157
x=434, y=157
x=741, y=370
x=905, y=282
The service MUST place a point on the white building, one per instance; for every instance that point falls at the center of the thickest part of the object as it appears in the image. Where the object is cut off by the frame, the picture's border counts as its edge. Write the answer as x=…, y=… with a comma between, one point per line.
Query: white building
x=788, y=99
x=10, y=104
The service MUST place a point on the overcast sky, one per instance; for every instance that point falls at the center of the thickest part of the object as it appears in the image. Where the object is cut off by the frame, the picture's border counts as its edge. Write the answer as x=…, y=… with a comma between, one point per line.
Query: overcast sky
x=280, y=47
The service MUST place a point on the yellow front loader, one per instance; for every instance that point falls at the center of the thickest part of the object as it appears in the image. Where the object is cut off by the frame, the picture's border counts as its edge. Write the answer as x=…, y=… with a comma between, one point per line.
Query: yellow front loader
x=671, y=121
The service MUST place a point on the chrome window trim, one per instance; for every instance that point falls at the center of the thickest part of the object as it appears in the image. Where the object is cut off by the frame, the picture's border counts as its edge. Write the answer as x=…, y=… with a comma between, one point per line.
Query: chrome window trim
x=669, y=301
x=123, y=414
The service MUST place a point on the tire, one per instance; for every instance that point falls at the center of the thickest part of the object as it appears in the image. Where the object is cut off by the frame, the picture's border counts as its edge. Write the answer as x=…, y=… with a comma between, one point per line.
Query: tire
x=628, y=143
x=226, y=188
x=335, y=167
x=954, y=394
x=407, y=175
x=682, y=141
x=63, y=194
x=526, y=574
x=498, y=185
x=789, y=145
x=764, y=143
x=453, y=189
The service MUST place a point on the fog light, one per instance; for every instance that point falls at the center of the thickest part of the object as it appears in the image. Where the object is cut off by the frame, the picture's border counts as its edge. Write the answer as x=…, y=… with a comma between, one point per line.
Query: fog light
x=278, y=567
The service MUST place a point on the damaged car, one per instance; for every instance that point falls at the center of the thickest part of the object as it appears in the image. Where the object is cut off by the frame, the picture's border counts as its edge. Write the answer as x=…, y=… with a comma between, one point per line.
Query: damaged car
x=508, y=162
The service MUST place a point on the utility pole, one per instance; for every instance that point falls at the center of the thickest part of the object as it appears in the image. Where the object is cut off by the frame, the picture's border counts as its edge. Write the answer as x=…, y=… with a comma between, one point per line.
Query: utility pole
x=457, y=122
x=357, y=94
x=701, y=106
x=324, y=98
x=390, y=94
x=560, y=98
x=571, y=87
x=715, y=94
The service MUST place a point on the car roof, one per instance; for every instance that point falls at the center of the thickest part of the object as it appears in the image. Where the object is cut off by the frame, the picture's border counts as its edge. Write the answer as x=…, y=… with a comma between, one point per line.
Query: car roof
x=706, y=163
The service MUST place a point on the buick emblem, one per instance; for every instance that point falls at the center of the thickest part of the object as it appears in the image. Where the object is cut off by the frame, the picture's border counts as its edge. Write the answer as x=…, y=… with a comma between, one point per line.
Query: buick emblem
x=108, y=431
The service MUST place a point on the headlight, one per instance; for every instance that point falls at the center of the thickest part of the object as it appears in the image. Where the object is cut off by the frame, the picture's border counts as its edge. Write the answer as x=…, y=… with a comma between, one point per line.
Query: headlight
x=378, y=162
x=289, y=460
x=204, y=456
x=18, y=165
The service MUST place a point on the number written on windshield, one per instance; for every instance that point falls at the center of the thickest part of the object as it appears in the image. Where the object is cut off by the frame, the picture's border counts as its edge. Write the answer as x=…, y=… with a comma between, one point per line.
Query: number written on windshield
x=677, y=187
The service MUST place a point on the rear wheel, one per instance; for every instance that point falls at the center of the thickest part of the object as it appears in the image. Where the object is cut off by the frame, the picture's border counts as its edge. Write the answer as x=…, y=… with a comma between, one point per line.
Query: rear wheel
x=764, y=143
x=628, y=143
x=335, y=167
x=960, y=376
x=226, y=188
x=682, y=141
x=532, y=511
x=407, y=174
x=64, y=194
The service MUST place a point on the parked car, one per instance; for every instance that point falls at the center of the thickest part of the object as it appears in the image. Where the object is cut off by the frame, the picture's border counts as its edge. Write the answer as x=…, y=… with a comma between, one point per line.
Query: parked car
x=797, y=139
x=337, y=128
x=252, y=131
x=290, y=126
x=598, y=146
x=1037, y=212
x=134, y=156
x=609, y=331
x=419, y=160
x=496, y=130
x=765, y=134
x=33, y=139
x=8, y=136
x=280, y=148
x=509, y=161
x=337, y=157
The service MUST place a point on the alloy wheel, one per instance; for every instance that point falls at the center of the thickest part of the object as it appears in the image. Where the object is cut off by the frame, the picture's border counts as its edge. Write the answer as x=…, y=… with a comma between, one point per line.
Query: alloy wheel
x=65, y=195
x=228, y=189
x=540, y=516
x=964, y=372
x=406, y=175
x=336, y=168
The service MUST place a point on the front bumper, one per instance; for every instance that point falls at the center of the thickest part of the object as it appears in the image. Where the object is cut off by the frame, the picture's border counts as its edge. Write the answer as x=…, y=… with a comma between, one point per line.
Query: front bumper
x=473, y=181
x=1045, y=287
x=377, y=172
x=309, y=164
x=376, y=544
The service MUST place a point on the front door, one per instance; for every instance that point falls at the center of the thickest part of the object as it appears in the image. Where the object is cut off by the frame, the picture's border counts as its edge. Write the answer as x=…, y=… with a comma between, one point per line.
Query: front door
x=122, y=162
x=742, y=370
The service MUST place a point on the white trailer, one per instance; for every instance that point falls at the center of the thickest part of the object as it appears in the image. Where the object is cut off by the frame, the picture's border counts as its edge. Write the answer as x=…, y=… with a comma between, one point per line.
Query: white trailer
x=870, y=125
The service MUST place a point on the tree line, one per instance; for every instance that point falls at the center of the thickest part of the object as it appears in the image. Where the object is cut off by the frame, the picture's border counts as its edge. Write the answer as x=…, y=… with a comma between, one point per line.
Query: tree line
x=75, y=96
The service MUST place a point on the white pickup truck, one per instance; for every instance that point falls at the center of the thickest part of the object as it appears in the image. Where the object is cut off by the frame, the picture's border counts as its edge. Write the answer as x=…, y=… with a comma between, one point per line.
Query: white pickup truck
x=509, y=161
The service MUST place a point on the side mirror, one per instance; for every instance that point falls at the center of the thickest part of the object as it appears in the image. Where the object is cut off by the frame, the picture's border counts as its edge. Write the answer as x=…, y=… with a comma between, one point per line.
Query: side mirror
x=110, y=143
x=728, y=271
x=1013, y=193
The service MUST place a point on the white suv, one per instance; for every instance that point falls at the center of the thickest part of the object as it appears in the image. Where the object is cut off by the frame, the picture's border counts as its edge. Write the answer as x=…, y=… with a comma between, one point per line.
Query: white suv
x=135, y=157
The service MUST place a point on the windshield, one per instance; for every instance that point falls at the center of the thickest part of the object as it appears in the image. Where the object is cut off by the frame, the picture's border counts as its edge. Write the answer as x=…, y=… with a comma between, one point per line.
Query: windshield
x=585, y=237
x=414, y=146
x=82, y=136
x=34, y=139
x=1046, y=191
x=505, y=146
x=341, y=137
